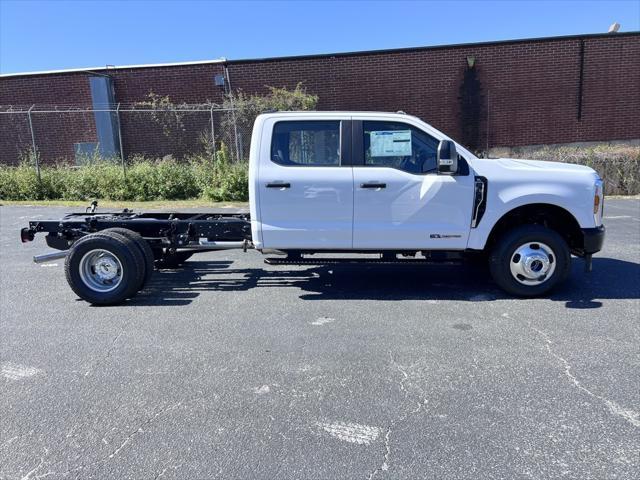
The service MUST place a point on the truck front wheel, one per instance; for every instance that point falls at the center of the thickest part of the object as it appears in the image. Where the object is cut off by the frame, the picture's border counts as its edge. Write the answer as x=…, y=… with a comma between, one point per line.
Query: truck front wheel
x=530, y=260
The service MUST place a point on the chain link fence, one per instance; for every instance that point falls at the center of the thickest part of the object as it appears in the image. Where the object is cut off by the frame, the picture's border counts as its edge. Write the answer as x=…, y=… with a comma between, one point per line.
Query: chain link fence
x=73, y=135
x=125, y=135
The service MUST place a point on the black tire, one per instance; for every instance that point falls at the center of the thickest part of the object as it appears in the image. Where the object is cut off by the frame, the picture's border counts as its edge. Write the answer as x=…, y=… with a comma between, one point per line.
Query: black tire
x=173, y=260
x=504, y=253
x=124, y=250
x=143, y=246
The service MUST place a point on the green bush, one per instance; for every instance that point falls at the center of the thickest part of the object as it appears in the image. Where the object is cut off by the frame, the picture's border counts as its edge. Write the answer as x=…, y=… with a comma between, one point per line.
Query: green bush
x=165, y=179
x=223, y=180
x=617, y=165
x=213, y=176
x=21, y=183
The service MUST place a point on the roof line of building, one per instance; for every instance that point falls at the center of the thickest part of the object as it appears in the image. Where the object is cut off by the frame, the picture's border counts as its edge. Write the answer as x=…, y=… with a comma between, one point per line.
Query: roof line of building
x=328, y=55
x=114, y=67
x=437, y=47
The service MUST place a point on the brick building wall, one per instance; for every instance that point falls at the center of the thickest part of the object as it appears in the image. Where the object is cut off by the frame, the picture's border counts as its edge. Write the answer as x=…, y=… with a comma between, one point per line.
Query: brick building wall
x=55, y=132
x=518, y=93
x=529, y=90
x=191, y=84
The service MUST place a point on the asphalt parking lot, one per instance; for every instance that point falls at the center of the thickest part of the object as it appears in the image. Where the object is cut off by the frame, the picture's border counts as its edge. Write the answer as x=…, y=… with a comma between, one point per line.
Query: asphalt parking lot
x=231, y=368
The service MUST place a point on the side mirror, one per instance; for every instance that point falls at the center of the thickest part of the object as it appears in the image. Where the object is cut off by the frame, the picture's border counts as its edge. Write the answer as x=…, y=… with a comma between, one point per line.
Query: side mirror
x=447, y=158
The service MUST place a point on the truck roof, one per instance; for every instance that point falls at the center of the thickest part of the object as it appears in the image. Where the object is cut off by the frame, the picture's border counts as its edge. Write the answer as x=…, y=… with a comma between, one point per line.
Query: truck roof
x=329, y=113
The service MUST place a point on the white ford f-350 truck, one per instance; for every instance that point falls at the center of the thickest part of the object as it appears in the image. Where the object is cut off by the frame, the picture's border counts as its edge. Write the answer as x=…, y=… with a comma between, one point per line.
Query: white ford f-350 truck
x=354, y=183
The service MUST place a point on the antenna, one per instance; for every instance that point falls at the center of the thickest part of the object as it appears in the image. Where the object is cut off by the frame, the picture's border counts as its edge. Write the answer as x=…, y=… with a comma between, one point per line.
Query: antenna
x=615, y=26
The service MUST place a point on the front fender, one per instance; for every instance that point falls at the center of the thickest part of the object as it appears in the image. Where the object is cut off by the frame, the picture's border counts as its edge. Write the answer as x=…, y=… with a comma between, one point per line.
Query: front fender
x=499, y=203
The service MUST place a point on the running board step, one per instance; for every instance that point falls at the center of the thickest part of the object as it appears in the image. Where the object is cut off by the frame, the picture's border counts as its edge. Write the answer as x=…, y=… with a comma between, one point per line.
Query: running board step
x=378, y=261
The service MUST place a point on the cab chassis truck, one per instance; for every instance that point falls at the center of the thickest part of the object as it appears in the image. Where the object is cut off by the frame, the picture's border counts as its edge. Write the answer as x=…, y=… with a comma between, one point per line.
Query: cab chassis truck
x=354, y=183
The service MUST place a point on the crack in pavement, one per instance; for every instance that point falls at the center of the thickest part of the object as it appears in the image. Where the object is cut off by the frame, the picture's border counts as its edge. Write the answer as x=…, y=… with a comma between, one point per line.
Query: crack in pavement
x=37, y=467
x=387, y=451
x=160, y=474
x=165, y=469
x=386, y=459
x=159, y=412
x=629, y=415
x=140, y=429
x=107, y=355
x=8, y=442
x=124, y=443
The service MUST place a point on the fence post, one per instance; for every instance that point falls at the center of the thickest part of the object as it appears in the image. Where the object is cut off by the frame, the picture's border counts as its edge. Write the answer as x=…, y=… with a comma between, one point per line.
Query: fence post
x=33, y=144
x=235, y=133
x=213, y=131
x=124, y=168
x=233, y=109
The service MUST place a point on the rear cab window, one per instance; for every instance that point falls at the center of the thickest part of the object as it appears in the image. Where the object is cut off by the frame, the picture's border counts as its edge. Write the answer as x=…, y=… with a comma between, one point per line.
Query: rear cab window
x=306, y=143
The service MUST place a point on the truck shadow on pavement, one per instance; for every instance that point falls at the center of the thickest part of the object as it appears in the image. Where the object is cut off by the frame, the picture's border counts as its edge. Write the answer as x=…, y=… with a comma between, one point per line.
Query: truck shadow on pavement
x=610, y=279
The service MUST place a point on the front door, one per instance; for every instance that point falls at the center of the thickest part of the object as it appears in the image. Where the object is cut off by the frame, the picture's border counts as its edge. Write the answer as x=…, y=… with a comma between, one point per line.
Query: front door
x=306, y=185
x=400, y=201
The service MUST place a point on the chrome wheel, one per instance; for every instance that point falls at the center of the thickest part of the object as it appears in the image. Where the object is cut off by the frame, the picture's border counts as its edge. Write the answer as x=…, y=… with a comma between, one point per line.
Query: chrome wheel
x=532, y=263
x=100, y=270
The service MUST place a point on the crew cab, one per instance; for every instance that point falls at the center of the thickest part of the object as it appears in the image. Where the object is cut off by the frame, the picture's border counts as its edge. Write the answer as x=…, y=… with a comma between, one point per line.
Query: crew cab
x=355, y=183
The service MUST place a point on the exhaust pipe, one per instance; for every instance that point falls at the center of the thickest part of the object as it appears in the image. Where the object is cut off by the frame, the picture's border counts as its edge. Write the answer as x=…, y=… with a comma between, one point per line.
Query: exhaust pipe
x=49, y=257
x=271, y=251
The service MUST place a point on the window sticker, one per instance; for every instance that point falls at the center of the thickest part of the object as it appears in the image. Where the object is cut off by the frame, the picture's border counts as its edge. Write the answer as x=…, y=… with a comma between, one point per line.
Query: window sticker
x=391, y=143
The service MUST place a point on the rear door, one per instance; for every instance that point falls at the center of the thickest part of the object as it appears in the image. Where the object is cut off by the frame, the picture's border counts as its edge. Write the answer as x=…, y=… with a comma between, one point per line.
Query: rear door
x=305, y=184
x=400, y=202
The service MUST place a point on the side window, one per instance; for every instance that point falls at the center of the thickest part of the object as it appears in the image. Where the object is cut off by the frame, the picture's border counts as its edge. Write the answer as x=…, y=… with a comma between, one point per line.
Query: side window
x=398, y=145
x=312, y=143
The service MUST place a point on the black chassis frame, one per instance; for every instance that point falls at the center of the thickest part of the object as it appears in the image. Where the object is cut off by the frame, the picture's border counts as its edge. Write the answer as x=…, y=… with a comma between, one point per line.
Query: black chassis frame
x=169, y=232
x=161, y=230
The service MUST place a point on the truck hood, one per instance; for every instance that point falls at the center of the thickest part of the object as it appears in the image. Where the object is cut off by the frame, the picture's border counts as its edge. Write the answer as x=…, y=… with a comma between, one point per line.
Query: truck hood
x=543, y=166
x=515, y=182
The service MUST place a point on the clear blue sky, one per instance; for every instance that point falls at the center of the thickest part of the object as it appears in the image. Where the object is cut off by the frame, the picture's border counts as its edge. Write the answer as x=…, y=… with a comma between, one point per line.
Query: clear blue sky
x=37, y=35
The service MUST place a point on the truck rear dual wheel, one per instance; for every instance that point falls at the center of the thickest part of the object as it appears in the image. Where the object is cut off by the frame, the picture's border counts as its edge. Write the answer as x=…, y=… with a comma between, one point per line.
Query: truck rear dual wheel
x=105, y=268
x=530, y=260
x=142, y=245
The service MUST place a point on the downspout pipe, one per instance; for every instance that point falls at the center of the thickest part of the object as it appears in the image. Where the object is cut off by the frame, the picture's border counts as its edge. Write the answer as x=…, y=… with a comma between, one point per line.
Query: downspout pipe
x=581, y=79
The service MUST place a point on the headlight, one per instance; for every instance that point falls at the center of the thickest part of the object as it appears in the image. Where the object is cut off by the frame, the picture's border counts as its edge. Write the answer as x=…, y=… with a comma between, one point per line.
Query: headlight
x=598, y=202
